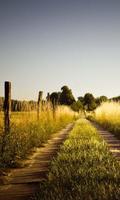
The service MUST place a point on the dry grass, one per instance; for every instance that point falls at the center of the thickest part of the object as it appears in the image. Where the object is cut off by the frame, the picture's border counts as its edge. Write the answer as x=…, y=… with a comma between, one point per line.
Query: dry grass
x=27, y=132
x=108, y=115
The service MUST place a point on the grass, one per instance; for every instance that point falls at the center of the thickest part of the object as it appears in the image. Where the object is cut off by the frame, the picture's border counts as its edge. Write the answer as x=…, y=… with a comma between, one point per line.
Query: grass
x=108, y=115
x=84, y=169
x=27, y=132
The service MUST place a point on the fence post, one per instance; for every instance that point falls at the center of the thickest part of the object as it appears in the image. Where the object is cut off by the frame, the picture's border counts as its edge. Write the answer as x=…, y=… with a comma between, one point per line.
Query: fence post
x=39, y=104
x=7, y=106
x=54, y=104
x=48, y=97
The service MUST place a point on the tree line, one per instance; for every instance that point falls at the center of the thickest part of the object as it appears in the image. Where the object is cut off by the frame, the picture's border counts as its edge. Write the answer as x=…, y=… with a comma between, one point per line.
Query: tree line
x=65, y=97
x=87, y=102
x=17, y=105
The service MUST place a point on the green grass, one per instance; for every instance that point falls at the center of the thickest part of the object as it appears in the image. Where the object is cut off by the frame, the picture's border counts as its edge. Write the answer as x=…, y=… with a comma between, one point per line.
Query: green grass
x=83, y=170
x=27, y=133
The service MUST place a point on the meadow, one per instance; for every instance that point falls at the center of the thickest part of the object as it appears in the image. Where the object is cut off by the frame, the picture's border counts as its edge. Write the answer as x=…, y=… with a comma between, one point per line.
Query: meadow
x=84, y=169
x=108, y=115
x=27, y=132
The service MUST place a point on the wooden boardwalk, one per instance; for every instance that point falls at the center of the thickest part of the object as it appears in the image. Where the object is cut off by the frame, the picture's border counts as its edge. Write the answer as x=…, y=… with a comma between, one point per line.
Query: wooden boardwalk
x=111, y=140
x=22, y=183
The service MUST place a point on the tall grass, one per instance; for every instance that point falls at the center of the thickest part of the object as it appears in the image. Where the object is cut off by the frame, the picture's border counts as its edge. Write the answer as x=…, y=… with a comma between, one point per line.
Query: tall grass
x=108, y=115
x=26, y=132
x=83, y=170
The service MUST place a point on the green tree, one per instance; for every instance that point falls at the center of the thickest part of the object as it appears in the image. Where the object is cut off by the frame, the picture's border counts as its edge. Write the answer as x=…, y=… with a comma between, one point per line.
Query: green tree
x=89, y=102
x=66, y=96
x=54, y=98
x=116, y=99
x=77, y=106
x=101, y=99
x=81, y=99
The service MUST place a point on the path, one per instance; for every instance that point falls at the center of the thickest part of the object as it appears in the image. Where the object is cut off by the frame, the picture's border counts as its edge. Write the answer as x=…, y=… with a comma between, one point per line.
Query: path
x=22, y=183
x=111, y=140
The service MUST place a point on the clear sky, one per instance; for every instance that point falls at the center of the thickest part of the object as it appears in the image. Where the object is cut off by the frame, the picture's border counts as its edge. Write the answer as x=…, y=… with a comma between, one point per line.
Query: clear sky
x=45, y=44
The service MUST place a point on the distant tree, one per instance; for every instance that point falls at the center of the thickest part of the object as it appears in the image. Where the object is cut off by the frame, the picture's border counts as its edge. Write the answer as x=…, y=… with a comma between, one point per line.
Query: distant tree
x=54, y=98
x=115, y=99
x=101, y=99
x=77, y=106
x=19, y=105
x=89, y=102
x=81, y=99
x=66, y=96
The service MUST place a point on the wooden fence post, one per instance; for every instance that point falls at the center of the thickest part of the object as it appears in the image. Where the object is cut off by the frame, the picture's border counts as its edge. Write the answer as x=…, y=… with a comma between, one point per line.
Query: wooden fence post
x=54, y=104
x=7, y=106
x=48, y=97
x=48, y=101
x=39, y=104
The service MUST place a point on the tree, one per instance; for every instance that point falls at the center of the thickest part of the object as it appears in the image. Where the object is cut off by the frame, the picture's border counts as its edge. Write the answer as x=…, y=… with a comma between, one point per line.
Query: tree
x=66, y=96
x=54, y=98
x=101, y=99
x=116, y=99
x=89, y=102
x=76, y=106
x=81, y=99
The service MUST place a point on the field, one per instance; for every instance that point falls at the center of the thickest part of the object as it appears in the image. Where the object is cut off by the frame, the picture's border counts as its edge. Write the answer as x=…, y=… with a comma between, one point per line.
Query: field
x=26, y=132
x=108, y=115
x=83, y=170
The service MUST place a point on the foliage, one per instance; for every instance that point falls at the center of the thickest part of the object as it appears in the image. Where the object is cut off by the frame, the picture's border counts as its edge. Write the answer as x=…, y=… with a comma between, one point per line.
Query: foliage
x=81, y=99
x=89, y=102
x=66, y=96
x=116, y=99
x=101, y=99
x=84, y=169
x=77, y=106
x=54, y=97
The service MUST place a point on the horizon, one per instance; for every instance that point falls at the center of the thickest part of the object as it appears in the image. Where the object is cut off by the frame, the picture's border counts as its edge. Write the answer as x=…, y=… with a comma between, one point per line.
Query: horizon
x=45, y=95
x=48, y=44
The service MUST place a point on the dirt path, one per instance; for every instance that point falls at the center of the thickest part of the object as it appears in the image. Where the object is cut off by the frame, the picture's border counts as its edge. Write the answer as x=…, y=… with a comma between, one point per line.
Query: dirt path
x=22, y=183
x=111, y=140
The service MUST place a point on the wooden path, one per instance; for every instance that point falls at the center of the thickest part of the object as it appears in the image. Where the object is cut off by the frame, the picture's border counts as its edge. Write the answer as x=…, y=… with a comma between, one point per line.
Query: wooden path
x=111, y=140
x=22, y=183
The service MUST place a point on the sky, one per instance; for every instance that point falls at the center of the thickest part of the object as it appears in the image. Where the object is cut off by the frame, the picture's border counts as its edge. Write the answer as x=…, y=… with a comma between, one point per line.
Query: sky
x=45, y=44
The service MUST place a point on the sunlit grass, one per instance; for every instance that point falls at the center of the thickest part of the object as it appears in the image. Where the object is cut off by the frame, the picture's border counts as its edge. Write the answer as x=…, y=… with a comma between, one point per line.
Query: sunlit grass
x=27, y=132
x=108, y=115
x=83, y=170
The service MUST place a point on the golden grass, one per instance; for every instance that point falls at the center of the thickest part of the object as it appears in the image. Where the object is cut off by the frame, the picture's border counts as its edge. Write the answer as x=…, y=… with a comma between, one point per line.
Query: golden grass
x=108, y=115
x=45, y=115
x=26, y=131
